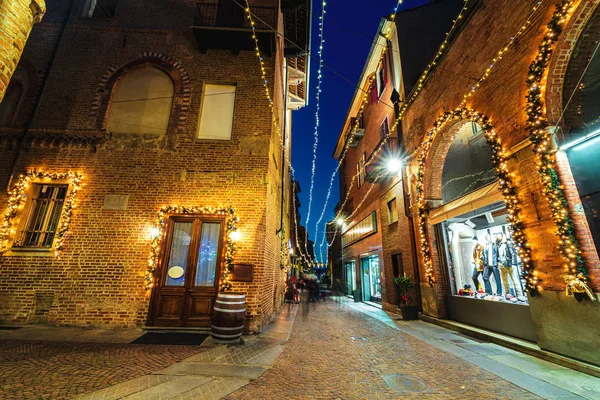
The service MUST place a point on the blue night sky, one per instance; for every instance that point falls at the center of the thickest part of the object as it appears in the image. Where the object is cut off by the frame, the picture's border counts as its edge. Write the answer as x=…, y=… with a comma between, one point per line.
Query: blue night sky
x=349, y=29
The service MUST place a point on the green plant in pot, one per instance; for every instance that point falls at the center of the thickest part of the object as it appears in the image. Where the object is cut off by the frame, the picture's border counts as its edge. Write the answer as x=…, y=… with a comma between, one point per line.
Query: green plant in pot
x=405, y=284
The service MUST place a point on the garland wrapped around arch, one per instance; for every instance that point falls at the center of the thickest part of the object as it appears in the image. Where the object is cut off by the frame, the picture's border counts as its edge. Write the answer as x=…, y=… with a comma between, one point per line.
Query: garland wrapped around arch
x=507, y=187
x=575, y=273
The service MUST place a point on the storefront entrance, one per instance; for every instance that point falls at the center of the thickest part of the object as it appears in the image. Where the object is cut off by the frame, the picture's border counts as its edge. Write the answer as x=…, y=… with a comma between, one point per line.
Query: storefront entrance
x=189, y=272
x=371, y=281
x=480, y=262
x=350, y=277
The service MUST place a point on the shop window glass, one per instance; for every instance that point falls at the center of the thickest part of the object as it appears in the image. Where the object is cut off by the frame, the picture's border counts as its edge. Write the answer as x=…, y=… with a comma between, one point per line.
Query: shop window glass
x=208, y=254
x=482, y=259
x=216, y=117
x=178, y=257
x=141, y=103
x=44, y=214
x=468, y=165
x=371, y=278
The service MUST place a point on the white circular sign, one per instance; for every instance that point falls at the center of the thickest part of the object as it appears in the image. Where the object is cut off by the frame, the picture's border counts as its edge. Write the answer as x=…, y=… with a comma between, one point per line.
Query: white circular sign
x=176, y=272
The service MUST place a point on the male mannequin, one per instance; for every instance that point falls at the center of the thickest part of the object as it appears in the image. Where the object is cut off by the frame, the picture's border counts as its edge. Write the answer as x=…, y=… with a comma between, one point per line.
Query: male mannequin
x=490, y=259
x=478, y=261
x=512, y=267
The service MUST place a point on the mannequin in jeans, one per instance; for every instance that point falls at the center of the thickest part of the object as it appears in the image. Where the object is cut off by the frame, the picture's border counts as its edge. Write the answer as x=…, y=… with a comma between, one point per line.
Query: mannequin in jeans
x=490, y=260
x=508, y=264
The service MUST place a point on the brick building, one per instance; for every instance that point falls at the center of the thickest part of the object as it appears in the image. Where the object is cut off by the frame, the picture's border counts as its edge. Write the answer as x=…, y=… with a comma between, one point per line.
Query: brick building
x=143, y=162
x=18, y=19
x=376, y=241
x=499, y=136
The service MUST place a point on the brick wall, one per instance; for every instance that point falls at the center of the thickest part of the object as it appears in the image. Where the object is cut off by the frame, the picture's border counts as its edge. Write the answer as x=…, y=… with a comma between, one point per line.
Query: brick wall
x=17, y=19
x=373, y=116
x=99, y=278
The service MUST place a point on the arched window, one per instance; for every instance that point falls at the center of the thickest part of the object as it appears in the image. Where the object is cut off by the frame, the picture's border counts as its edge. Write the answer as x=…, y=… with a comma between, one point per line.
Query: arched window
x=468, y=165
x=141, y=103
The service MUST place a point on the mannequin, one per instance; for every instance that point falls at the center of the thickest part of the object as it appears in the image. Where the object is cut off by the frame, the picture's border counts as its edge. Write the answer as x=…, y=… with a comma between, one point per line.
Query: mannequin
x=478, y=263
x=513, y=265
x=490, y=259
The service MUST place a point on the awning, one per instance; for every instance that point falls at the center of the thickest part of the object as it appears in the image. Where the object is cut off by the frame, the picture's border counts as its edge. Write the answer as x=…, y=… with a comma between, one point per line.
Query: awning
x=480, y=198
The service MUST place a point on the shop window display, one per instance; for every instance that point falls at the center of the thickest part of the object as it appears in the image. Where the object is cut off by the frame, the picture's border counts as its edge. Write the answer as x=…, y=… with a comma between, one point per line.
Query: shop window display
x=371, y=279
x=482, y=259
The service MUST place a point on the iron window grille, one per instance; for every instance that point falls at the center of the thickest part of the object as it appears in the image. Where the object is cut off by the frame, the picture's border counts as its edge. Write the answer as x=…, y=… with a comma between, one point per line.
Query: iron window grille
x=43, y=216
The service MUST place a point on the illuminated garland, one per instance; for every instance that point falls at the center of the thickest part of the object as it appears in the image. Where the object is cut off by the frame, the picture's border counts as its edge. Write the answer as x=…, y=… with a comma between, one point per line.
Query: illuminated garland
x=16, y=200
x=569, y=246
x=416, y=90
x=159, y=233
x=507, y=187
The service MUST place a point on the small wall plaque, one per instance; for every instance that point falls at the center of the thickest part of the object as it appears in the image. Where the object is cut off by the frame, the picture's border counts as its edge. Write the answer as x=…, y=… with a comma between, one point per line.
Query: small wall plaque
x=242, y=273
x=115, y=202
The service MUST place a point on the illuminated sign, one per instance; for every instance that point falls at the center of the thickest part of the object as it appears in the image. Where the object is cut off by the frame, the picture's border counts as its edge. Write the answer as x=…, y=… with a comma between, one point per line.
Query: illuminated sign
x=365, y=227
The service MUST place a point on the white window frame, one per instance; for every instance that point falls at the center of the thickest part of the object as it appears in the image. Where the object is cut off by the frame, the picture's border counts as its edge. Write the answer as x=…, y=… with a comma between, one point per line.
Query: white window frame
x=203, y=113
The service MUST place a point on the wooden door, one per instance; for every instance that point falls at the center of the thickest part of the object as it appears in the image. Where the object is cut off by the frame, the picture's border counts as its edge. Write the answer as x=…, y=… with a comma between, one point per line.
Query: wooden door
x=189, y=272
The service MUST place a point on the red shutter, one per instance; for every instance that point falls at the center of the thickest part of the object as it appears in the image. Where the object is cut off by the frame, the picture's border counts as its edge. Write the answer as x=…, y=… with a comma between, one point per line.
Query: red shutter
x=374, y=93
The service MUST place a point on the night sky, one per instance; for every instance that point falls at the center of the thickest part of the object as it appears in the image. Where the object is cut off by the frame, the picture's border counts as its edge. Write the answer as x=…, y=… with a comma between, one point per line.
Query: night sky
x=349, y=29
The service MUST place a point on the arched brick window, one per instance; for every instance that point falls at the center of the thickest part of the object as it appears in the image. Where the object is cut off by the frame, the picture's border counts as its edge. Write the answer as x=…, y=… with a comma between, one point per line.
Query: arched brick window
x=141, y=103
x=169, y=84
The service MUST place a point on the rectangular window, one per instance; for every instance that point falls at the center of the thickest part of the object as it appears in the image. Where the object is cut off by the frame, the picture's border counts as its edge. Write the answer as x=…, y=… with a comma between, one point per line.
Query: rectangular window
x=384, y=129
x=44, y=214
x=100, y=8
x=360, y=169
x=381, y=77
x=216, y=116
x=392, y=211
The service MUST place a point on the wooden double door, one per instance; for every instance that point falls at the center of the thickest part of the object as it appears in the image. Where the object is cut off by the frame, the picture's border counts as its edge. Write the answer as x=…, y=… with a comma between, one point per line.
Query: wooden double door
x=189, y=272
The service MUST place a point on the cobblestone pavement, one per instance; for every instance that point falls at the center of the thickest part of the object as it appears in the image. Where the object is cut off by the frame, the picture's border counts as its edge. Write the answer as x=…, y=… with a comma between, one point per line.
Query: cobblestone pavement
x=338, y=353
x=61, y=370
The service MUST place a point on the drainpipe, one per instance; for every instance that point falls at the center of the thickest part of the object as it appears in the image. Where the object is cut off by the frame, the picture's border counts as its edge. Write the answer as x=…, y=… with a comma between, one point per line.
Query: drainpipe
x=38, y=98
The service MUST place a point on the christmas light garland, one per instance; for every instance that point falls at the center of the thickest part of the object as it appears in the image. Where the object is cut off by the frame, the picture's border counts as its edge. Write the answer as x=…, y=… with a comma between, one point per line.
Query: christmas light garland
x=370, y=83
x=537, y=124
x=507, y=187
x=416, y=90
x=159, y=232
x=16, y=200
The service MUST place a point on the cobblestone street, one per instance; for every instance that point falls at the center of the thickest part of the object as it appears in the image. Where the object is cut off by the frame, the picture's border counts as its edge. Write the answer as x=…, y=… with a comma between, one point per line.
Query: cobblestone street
x=61, y=370
x=340, y=350
x=338, y=353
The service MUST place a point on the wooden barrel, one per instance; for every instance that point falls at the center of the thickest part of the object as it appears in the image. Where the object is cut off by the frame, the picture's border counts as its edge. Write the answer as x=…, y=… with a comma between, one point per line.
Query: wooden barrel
x=228, y=317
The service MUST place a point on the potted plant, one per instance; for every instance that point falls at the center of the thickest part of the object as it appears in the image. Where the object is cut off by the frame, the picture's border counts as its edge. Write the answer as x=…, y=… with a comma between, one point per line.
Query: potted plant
x=405, y=284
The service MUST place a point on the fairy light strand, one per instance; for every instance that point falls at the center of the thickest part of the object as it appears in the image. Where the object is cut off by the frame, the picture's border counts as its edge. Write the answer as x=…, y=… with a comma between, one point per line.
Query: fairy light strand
x=16, y=202
x=507, y=187
x=416, y=90
x=318, y=109
x=574, y=267
x=371, y=80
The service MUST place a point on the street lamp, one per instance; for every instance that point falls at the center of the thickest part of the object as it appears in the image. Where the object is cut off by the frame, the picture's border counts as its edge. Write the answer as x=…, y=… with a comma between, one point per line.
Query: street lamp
x=394, y=165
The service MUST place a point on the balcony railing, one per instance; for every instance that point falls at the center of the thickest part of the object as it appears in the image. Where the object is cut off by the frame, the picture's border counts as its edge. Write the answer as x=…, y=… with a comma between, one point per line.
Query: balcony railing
x=231, y=15
x=224, y=25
